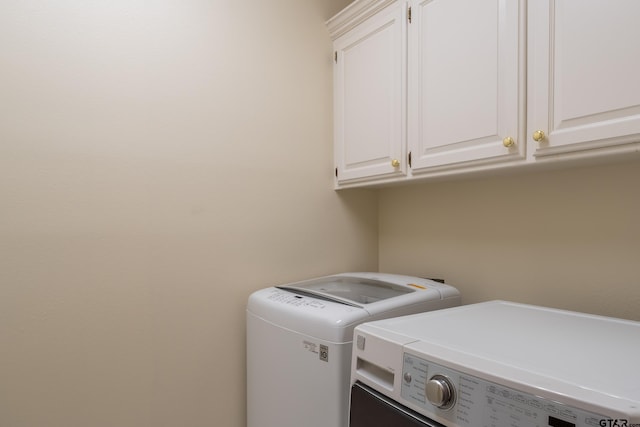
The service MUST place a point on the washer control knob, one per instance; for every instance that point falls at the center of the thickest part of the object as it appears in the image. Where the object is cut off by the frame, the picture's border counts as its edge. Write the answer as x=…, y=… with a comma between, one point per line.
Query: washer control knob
x=407, y=377
x=440, y=392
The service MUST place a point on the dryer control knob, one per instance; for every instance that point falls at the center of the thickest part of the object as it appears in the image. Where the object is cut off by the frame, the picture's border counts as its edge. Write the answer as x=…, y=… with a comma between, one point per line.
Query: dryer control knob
x=440, y=392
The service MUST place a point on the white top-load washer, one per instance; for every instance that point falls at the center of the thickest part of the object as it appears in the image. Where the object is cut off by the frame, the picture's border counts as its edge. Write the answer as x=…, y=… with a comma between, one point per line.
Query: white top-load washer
x=299, y=341
x=497, y=364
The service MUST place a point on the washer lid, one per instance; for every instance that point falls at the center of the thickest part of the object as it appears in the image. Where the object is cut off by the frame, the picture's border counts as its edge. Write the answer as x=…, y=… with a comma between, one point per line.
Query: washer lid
x=354, y=291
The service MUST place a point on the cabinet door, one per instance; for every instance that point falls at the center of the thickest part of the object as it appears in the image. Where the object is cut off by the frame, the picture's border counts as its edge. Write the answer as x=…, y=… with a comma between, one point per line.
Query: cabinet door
x=466, y=68
x=369, y=97
x=584, y=68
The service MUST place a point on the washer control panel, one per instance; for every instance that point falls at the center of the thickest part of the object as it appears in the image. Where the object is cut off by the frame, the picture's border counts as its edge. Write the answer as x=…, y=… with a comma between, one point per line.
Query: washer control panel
x=458, y=399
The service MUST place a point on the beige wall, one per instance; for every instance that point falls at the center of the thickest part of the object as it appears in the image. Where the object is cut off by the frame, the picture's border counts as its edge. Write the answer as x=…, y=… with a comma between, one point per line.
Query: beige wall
x=159, y=161
x=567, y=239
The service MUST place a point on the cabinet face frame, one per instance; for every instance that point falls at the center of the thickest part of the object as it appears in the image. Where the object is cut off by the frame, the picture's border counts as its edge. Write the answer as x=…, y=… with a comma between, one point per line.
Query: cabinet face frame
x=370, y=98
x=489, y=107
x=585, y=106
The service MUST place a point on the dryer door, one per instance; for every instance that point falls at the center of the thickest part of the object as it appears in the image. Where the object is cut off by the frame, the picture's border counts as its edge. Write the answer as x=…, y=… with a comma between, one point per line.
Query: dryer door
x=372, y=409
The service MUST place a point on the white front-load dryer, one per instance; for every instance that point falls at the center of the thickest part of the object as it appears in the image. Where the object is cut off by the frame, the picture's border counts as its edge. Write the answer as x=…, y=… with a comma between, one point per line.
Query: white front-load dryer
x=299, y=341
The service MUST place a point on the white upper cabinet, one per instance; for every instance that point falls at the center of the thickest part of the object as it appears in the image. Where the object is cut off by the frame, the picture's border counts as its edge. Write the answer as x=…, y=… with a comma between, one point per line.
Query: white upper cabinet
x=584, y=77
x=430, y=88
x=369, y=96
x=465, y=73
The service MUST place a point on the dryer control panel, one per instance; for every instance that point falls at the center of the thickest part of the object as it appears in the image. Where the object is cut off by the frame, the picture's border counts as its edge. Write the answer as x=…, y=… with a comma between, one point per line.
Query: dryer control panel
x=458, y=399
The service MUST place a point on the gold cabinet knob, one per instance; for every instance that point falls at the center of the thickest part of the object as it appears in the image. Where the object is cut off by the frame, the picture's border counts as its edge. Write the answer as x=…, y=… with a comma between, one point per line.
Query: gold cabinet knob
x=395, y=163
x=538, y=135
x=508, y=142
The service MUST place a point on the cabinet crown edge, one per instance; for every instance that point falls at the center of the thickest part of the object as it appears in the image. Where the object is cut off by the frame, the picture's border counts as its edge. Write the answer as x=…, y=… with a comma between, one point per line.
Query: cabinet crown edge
x=354, y=14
